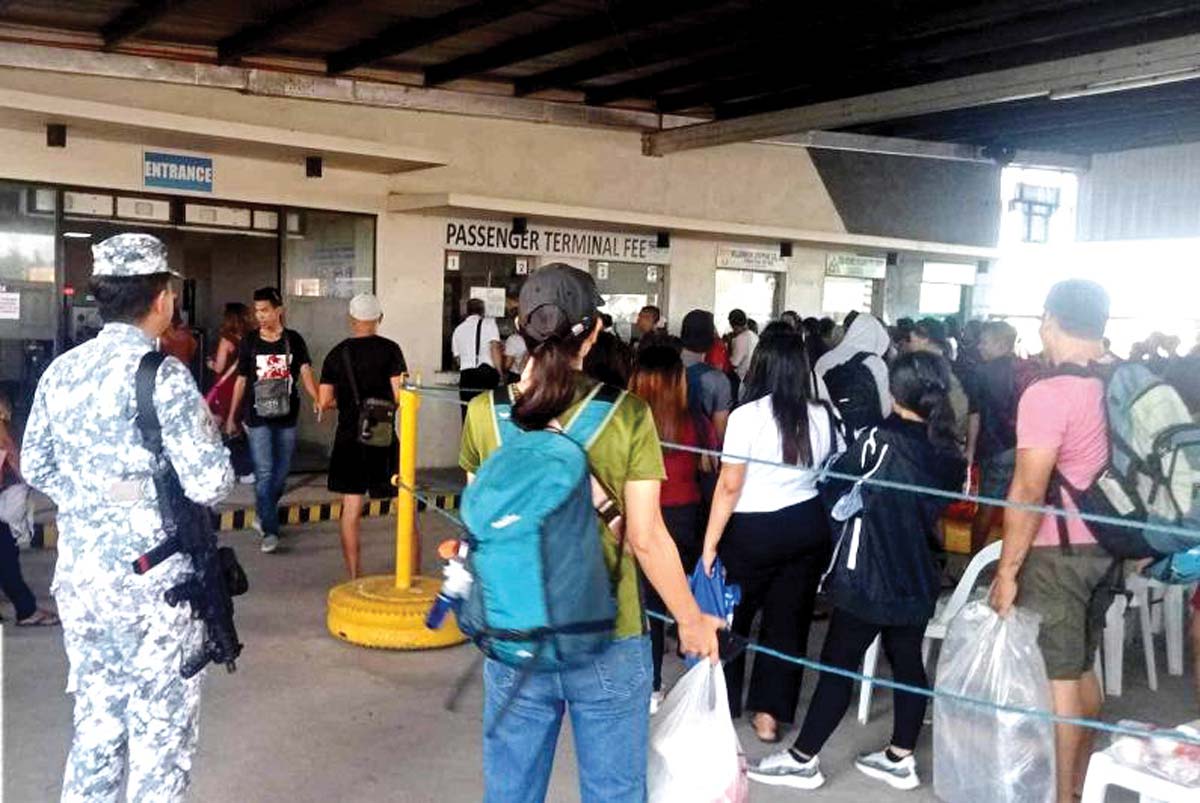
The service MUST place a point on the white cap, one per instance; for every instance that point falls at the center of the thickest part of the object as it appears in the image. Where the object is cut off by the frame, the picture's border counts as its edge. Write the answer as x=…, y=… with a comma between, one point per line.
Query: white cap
x=365, y=307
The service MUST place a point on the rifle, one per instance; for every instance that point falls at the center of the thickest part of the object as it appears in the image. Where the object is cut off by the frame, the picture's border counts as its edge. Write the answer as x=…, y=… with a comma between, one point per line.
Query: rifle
x=216, y=575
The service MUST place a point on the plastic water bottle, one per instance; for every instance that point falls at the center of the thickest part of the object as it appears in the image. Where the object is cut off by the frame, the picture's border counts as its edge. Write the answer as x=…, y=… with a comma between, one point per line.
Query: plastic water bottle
x=455, y=587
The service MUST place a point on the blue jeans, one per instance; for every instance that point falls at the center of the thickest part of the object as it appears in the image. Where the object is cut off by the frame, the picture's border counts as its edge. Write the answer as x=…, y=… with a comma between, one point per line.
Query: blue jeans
x=609, y=703
x=272, y=448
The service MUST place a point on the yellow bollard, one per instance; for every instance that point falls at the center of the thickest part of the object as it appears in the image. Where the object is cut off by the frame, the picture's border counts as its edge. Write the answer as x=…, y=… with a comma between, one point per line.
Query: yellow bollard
x=389, y=611
x=406, y=502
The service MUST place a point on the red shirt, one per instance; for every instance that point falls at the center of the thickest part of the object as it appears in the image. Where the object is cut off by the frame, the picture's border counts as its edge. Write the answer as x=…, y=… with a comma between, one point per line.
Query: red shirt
x=718, y=356
x=681, y=486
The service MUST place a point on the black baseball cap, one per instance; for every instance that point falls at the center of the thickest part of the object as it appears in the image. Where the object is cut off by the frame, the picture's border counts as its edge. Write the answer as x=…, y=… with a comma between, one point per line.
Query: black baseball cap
x=698, y=331
x=1080, y=307
x=558, y=300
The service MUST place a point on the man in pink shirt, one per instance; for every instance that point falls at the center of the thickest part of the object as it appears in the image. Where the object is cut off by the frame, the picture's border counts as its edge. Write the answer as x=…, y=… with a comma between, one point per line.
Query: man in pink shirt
x=1052, y=564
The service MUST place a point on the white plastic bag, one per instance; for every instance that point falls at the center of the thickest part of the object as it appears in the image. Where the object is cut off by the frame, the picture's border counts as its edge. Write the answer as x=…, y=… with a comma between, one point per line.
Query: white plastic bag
x=981, y=755
x=695, y=756
x=15, y=512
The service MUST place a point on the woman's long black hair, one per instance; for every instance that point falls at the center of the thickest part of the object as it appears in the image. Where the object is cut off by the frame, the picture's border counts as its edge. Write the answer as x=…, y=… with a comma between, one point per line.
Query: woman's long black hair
x=920, y=382
x=779, y=368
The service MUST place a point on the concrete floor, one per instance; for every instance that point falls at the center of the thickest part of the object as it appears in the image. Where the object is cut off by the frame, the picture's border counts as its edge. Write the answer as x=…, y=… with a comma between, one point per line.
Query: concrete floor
x=309, y=718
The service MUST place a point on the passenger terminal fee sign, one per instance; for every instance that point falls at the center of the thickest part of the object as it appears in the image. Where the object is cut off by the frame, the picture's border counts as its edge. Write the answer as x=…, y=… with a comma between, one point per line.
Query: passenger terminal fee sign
x=176, y=171
x=498, y=237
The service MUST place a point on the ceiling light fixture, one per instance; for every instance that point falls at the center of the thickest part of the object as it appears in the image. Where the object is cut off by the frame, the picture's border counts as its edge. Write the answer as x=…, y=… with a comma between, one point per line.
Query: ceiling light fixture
x=78, y=235
x=1124, y=84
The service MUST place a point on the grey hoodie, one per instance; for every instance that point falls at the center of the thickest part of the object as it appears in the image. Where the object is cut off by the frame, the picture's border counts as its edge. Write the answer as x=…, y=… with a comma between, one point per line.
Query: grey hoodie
x=866, y=334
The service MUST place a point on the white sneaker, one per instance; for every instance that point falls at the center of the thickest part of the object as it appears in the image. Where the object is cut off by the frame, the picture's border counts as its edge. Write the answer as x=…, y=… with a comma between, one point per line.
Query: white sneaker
x=256, y=525
x=656, y=700
x=782, y=769
x=270, y=543
x=900, y=774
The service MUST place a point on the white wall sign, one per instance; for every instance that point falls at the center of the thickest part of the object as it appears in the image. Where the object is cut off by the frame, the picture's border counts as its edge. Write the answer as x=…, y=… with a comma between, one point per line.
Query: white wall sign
x=496, y=237
x=10, y=306
x=522, y=267
x=856, y=266
x=651, y=273
x=751, y=257
x=602, y=270
x=452, y=263
x=492, y=298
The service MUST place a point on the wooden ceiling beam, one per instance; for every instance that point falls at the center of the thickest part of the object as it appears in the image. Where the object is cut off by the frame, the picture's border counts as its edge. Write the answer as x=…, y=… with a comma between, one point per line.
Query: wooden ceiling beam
x=619, y=18
x=408, y=35
x=256, y=38
x=136, y=18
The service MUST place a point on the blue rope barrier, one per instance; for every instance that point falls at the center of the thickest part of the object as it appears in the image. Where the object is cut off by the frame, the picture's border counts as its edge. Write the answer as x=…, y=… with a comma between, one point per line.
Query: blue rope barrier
x=954, y=496
x=887, y=683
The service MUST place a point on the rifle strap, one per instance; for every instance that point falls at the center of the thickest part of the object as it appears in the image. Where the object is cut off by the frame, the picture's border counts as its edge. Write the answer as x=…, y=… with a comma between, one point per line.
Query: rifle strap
x=147, y=417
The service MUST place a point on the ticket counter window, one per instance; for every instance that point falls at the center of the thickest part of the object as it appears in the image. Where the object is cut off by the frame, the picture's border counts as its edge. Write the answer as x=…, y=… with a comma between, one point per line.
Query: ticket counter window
x=844, y=295
x=493, y=279
x=757, y=293
x=626, y=288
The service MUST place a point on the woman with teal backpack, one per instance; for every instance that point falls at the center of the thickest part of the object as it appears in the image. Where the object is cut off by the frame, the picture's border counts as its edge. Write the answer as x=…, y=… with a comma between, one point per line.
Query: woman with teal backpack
x=607, y=696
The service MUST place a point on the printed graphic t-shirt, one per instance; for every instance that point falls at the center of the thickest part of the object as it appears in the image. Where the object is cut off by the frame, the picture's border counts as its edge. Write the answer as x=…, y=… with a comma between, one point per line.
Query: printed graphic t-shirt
x=627, y=450
x=259, y=360
x=1066, y=413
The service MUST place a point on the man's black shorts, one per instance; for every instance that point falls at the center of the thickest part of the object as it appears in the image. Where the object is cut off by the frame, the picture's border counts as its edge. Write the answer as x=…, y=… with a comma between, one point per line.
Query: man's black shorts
x=358, y=469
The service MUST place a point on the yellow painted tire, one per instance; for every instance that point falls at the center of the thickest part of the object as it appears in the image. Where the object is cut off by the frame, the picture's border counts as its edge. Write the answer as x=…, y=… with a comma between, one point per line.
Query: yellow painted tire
x=372, y=612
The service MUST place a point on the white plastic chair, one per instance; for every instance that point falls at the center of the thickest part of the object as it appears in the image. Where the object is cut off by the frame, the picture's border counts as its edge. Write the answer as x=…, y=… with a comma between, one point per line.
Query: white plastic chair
x=947, y=608
x=1146, y=593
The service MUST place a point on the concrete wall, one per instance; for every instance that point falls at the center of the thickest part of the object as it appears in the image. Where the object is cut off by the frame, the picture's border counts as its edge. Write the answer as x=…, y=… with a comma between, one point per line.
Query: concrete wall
x=1141, y=194
x=919, y=199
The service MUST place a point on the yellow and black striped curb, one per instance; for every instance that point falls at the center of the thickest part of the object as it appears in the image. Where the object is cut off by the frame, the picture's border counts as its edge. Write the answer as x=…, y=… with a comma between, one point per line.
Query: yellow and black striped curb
x=45, y=536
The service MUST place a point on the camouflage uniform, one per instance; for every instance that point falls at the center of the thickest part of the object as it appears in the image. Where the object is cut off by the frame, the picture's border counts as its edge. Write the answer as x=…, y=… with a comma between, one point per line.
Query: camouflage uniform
x=134, y=713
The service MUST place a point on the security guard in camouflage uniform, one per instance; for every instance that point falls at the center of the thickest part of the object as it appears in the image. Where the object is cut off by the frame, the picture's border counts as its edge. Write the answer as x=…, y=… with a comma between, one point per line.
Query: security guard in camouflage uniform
x=135, y=716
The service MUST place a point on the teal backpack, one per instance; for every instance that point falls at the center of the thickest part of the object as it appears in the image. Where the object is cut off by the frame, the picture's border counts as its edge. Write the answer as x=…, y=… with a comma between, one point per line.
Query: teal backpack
x=542, y=599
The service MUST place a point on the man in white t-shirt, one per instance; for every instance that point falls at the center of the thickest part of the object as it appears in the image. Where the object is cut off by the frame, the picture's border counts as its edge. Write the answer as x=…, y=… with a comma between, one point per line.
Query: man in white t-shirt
x=475, y=344
x=742, y=344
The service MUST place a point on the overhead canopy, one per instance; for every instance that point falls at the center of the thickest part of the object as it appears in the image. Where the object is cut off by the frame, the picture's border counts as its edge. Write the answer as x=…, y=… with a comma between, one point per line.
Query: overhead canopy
x=718, y=60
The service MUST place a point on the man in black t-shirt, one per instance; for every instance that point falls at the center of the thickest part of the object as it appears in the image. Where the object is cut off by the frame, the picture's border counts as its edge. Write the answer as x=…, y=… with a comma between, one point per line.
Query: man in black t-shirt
x=270, y=361
x=992, y=422
x=363, y=366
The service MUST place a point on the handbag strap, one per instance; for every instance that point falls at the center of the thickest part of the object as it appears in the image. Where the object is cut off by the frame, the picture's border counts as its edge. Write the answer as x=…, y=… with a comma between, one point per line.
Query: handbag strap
x=350, y=373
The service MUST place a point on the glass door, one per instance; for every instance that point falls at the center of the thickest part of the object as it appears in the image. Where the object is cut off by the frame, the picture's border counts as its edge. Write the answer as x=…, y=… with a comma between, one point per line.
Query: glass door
x=28, y=291
x=328, y=258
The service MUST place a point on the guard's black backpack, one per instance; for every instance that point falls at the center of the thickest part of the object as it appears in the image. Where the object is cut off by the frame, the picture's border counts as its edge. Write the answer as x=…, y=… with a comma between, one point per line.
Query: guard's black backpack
x=854, y=394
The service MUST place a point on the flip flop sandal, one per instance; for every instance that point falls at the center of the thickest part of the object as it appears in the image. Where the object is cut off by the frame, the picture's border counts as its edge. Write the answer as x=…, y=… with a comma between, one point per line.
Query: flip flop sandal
x=40, y=618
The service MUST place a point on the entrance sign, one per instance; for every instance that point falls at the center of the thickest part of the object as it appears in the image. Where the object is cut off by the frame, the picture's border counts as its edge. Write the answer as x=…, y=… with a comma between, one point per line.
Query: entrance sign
x=498, y=237
x=749, y=257
x=175, y=171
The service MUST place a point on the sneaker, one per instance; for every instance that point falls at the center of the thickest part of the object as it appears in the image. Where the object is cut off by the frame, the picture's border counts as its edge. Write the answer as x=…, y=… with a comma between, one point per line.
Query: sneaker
x=900, y=774
x=270, y=543
x=656, y=700
x=247, y=479
x=782, y=769
x=256, y=525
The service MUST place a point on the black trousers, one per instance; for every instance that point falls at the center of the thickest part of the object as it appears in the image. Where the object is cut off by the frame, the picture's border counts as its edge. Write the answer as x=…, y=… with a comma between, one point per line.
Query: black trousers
x=11, y=581
x=845, y=644
x=683, y=522
x=777, y=558
x=474, y=381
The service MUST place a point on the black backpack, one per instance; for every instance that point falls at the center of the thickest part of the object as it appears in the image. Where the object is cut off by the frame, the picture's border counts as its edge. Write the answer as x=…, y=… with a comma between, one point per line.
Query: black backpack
x=854, y=394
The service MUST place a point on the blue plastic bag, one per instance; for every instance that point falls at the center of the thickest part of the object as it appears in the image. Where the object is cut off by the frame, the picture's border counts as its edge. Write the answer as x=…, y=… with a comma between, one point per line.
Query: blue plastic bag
x=714, y=596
